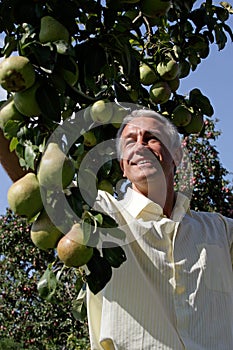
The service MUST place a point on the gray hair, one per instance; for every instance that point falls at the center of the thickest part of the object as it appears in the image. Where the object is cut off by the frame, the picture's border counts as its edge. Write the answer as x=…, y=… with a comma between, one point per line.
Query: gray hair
x=169, y=127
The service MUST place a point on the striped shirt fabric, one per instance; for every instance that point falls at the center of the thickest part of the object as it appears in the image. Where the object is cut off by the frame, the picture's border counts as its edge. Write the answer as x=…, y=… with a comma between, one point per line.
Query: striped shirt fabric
x=175, y=291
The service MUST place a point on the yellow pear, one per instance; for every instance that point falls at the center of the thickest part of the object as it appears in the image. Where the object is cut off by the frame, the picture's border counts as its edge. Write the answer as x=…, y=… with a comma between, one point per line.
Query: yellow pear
x=44, y=234
x=24, y=196
x=101, y=111
x=56, y=170
x=16, y=73
x=71, y=248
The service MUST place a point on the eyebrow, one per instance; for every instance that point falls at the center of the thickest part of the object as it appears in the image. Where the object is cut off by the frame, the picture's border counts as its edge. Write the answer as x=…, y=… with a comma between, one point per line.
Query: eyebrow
x=147, y=133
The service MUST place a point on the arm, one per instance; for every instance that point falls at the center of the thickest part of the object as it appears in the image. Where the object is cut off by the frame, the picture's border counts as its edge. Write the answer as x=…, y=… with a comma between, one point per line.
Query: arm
x=9, y=160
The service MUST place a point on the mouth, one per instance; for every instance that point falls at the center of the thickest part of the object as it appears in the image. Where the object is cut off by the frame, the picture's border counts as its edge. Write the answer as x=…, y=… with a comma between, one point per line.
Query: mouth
x=144, y=161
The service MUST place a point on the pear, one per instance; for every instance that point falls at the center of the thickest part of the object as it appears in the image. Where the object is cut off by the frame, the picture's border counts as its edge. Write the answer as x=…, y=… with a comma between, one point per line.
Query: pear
x=44, y=234
x=71, y=77
x=90, y=139
x=56, y=170
x=160, y=92
x=106, y=185
x=72, y=249
x=155, y=8
x=17, y=73
x=24, y=196
x=8, y=112
x=174, y=84
x=148, y=75
x=168, y=70
x=119, y=113
x=52, y=30
x=195, y=126
x=181, y=116
x=26, y=102
x=101, y=111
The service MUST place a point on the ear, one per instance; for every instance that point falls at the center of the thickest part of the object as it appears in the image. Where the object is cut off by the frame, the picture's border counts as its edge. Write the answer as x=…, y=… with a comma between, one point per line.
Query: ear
x=177, y=156
x=122, y=167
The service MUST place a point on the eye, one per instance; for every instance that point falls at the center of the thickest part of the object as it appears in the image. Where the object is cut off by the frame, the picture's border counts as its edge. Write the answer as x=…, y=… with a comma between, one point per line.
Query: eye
x=152, y=139
x=129, y=141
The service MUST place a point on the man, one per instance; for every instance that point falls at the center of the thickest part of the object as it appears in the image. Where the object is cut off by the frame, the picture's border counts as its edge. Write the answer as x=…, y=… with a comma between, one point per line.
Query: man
x=175, y=291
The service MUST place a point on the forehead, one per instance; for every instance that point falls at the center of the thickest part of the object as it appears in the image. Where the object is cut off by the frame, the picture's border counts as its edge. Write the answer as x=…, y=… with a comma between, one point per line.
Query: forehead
x=144, y=125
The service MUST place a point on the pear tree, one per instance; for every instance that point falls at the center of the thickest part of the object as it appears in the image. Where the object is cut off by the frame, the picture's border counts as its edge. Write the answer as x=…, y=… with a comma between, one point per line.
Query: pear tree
x=86, y=60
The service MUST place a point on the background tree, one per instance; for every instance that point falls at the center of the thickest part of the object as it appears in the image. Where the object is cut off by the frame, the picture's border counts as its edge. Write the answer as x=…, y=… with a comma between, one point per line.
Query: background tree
x=27, y=320
x=74, y=56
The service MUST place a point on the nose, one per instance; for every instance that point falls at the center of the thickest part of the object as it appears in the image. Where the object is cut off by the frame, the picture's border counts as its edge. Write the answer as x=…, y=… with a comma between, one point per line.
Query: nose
x=140, y=145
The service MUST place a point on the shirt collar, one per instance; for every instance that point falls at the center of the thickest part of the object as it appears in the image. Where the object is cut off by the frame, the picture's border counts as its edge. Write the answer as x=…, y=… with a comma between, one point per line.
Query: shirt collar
x=140, y=206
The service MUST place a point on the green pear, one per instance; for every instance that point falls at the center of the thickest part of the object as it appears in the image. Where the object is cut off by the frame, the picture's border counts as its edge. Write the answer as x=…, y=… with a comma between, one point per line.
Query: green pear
x=72, y=249
x=174, y=84
x=118, y=115
x=148, y=75
x=26, y=102
x=185, y=68
x=101, y=111
x=71, y=77
x=17, y=73
x=106, y=185
x=196, y=124
x=56, y=170
x=160, y=92
x=155, y=8
x=24, y=196
x=168, y=70
x=44, y=234
x=181, y=116
x=89, y=139
x=8, y=112
x=52, y=30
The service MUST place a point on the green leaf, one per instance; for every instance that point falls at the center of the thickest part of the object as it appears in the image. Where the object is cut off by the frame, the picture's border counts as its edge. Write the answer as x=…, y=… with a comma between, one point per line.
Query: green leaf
x=30, y=155
x=197, y=99
x=13, y=144
x=99, y=218
x=79, y=309
x=117, y=233
x=87, y=230
x=220, y=37
x=100, y=272
x=47, y=285
x=113, y=253
x=11, y=128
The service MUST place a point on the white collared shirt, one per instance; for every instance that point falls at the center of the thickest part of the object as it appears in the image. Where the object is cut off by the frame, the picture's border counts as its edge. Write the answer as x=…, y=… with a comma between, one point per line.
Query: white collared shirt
x=175, y=291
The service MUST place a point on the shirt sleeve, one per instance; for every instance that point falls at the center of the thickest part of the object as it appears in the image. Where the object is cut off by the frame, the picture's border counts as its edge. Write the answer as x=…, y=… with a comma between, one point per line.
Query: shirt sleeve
x=229, y=230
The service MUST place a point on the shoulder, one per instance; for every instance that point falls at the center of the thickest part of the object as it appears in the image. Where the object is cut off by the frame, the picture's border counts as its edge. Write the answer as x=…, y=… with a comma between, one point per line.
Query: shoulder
x=214, y=223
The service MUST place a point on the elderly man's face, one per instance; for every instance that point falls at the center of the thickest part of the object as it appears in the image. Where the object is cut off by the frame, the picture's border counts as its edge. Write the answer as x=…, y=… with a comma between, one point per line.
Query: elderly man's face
x=145, y=156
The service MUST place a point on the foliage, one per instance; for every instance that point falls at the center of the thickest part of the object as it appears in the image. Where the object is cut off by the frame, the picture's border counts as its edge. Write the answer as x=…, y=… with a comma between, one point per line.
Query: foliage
x=107, y=43
x=27, y=320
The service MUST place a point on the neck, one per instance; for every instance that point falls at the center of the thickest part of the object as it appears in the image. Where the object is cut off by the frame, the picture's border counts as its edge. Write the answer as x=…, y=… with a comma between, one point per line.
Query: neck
x=160, y=193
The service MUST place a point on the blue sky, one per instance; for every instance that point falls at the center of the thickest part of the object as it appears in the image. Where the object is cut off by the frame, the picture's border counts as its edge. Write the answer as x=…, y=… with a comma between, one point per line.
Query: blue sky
x=214, y=77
